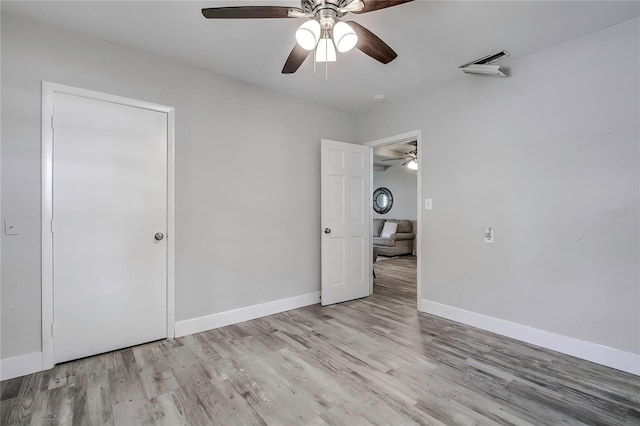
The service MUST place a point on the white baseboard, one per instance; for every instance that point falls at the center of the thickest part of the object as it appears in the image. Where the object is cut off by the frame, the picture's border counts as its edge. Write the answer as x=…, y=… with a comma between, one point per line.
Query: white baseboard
x=20, y=365
x=32, y=363
x=600, y=354
x=208, y=322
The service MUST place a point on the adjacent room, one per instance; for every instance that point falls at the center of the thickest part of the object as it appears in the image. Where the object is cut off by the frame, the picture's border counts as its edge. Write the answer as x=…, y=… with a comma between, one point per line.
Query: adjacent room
x=331, y=212
x=395, y=216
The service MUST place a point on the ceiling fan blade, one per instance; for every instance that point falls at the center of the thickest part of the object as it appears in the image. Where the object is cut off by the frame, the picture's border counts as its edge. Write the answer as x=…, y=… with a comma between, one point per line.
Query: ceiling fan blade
x=294, y=12
x=395, y=159
x=352, y=6
x=372, y=45
x=295, y=59
x=247, y=12
x=371, y=5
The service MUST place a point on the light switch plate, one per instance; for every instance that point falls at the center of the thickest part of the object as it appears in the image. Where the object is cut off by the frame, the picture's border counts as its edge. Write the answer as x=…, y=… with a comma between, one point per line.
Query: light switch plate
x=428, y=204
x=489, y=240
x=10, y=229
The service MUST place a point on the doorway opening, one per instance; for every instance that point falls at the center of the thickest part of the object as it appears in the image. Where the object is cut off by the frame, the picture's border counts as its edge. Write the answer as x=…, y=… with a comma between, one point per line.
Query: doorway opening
x=396, y=217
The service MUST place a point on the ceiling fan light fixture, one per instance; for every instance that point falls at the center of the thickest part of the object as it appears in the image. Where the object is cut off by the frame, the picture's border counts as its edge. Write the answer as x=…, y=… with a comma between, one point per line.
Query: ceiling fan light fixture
x=308, y=34
x=344, y=36
x=413, y=165
x=326, y=51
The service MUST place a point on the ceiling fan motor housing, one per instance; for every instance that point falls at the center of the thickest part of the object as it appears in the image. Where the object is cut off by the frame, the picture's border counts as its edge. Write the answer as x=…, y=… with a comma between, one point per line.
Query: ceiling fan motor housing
x=324, y=8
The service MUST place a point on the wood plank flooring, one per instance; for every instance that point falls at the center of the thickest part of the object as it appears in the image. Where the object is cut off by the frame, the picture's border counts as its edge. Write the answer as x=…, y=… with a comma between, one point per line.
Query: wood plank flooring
x=369, y=361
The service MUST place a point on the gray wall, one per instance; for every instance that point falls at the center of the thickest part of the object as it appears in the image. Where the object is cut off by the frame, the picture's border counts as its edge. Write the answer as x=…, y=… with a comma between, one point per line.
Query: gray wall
x=549, y=158
x=403, y=184
x=247, y=174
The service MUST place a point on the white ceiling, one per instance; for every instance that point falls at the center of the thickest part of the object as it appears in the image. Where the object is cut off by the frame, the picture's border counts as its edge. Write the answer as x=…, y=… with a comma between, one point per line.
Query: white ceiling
x=432, y=38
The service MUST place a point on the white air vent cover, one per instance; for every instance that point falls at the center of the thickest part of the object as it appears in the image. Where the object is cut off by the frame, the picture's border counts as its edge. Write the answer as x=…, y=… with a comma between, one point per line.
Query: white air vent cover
x=483, y=65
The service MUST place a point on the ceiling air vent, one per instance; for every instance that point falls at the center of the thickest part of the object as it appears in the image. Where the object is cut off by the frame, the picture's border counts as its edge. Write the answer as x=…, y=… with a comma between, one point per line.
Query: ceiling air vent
x=485, y=65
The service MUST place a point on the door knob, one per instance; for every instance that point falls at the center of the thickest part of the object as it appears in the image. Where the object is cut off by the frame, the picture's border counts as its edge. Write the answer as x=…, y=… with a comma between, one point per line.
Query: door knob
x=159, y=236
x=327, y=230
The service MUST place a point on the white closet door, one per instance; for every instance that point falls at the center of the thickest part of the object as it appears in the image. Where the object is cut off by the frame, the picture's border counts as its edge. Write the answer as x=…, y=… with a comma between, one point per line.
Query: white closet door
x=109, y=201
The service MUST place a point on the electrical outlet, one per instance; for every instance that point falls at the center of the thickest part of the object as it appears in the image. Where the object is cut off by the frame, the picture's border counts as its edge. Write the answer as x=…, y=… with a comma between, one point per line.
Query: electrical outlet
x=488, y=235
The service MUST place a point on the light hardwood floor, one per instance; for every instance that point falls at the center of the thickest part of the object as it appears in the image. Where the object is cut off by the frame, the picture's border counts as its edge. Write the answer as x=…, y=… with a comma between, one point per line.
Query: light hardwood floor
x=370, y=361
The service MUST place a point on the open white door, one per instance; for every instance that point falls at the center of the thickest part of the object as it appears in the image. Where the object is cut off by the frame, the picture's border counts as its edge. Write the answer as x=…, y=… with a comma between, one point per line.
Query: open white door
x=346, y=239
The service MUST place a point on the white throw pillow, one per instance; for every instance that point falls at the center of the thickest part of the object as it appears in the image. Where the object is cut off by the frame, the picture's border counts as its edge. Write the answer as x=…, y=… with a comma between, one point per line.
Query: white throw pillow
x=389, y=228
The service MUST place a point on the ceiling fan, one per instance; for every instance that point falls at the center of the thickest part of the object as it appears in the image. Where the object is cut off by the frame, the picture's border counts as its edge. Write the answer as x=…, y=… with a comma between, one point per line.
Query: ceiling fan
x=411, y=157
x=324, y=31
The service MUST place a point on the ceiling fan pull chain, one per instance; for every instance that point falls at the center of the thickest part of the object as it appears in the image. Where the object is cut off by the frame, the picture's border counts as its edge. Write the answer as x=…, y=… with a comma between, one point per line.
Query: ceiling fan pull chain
x=326, y=72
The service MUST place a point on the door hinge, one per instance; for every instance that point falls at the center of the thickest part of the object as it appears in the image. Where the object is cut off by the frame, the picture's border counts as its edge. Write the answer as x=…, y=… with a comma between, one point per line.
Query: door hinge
x=52, y=126
x=52, y=226
x=51, y=329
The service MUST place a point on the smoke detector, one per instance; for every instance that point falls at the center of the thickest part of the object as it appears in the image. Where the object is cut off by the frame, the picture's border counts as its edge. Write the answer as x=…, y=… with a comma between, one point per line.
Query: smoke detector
x=485, y=65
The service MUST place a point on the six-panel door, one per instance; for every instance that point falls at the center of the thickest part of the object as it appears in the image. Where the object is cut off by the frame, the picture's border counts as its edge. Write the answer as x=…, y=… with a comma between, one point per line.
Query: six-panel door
x=346, y=245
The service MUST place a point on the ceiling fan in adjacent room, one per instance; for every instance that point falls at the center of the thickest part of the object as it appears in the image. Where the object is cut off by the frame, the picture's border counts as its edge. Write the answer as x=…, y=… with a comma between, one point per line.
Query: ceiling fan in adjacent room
x=324, y=31
x=411, y=158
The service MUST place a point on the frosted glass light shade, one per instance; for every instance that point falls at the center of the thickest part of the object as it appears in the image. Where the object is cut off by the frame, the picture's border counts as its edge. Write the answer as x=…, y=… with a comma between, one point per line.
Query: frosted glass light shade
x=308, y=34
x=413, y=165
x=326, y=51
x=344, y=36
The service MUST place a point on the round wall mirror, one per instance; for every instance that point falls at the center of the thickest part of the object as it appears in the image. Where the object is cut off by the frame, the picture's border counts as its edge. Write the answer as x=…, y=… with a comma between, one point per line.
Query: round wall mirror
x=382, y=200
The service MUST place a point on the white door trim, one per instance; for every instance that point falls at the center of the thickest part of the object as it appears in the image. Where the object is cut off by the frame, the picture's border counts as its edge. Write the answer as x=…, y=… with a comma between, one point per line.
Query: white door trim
x=404, y=137
x=48, y=90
